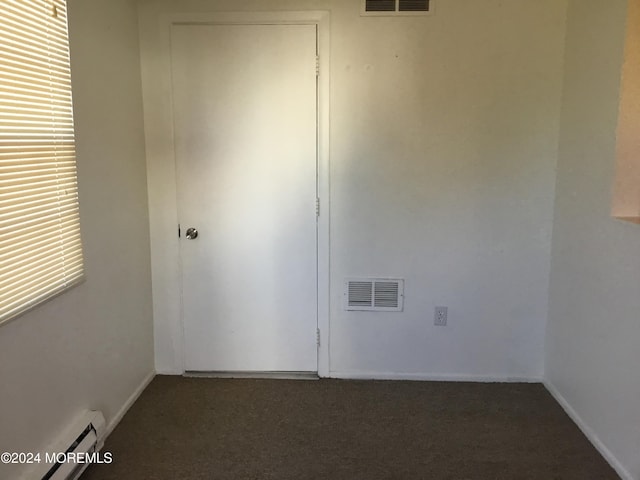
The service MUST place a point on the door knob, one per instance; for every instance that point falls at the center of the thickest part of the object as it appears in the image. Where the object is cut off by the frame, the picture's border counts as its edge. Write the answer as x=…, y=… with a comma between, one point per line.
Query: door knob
x=192, y=233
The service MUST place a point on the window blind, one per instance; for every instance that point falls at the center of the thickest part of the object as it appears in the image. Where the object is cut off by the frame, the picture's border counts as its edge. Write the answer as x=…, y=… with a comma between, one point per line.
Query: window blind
x=40, y=245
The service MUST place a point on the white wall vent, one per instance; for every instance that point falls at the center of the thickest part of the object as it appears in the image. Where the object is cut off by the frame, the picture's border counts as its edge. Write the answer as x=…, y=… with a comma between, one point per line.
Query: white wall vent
x=396, y=7
x=374, y=294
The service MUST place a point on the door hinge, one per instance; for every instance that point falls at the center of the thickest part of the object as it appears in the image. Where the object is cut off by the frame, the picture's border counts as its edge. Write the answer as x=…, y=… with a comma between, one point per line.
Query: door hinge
x=317, y=66
x=178, y=230
x=317, y=336
x=317, y=207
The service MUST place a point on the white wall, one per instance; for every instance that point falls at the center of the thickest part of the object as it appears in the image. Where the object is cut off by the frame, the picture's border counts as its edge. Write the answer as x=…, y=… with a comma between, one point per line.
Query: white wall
x=593, y=335
x=91, y=347
x=444, y=134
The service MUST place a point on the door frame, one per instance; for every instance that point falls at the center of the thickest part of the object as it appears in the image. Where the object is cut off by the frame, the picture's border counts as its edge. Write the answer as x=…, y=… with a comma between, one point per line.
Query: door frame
x=156, y=20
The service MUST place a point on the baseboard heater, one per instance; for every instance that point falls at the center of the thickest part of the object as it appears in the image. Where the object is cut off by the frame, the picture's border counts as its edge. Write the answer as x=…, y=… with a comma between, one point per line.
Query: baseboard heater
x=85, y=436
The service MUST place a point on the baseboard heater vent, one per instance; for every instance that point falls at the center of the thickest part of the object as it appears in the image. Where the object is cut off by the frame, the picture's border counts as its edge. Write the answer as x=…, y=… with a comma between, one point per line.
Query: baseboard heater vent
x=374, y=294
x=85, y=436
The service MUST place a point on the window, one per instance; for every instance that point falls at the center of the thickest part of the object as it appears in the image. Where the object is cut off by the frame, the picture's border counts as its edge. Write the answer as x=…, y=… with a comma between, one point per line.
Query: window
x=626, y=191
x=40, y=246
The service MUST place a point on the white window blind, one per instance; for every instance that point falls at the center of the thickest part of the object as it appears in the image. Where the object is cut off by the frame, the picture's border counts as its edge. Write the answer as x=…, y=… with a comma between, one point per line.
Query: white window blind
x=40, y=246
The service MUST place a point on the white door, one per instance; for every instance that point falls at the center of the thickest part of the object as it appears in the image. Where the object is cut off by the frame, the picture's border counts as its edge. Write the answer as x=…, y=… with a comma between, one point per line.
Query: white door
x=244, y=99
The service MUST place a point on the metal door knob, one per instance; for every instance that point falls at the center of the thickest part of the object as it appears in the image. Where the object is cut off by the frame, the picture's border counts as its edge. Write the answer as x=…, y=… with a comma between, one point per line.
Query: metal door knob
x=192, y=233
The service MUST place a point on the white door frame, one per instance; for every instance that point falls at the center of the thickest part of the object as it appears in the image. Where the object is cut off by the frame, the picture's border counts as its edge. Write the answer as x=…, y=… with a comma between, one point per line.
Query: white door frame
x=155, y=46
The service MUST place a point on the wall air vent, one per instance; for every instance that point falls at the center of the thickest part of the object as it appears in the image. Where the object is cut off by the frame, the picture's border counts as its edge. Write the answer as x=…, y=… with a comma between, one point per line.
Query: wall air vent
x=374, y=294
x=380, y=5
x=396, y=7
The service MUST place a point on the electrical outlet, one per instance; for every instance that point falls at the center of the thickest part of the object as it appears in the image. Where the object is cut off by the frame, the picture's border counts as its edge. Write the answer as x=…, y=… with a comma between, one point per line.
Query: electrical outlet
x=440, y=316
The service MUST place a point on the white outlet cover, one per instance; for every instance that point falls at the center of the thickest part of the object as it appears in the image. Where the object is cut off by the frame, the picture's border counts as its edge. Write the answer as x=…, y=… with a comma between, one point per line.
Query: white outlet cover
x=440, y=315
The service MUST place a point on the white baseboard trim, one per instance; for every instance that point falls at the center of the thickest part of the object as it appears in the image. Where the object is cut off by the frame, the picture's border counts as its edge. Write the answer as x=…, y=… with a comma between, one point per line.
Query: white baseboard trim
x=588, y=432
x=437, y=377
x=169, y=371
x=115, y=420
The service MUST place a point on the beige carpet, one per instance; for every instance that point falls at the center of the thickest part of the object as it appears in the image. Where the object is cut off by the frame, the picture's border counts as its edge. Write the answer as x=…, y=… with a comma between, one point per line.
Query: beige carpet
x=182, y=429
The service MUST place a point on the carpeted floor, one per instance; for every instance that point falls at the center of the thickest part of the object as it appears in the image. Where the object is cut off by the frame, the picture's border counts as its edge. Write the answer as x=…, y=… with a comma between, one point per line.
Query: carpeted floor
x=215, y=429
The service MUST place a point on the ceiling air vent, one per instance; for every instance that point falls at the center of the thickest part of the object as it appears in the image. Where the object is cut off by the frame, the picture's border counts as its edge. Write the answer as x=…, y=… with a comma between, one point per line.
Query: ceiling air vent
x=396, y=7
x=374, y=294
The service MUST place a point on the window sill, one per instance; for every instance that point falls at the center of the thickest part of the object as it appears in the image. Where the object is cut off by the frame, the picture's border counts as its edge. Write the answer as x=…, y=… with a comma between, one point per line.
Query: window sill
x=42, y=301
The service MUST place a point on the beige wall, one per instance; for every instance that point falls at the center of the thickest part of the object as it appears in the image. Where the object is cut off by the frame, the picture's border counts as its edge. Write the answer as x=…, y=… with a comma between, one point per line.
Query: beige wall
x=593, y=335
x=93, y=346
x=444, y=133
